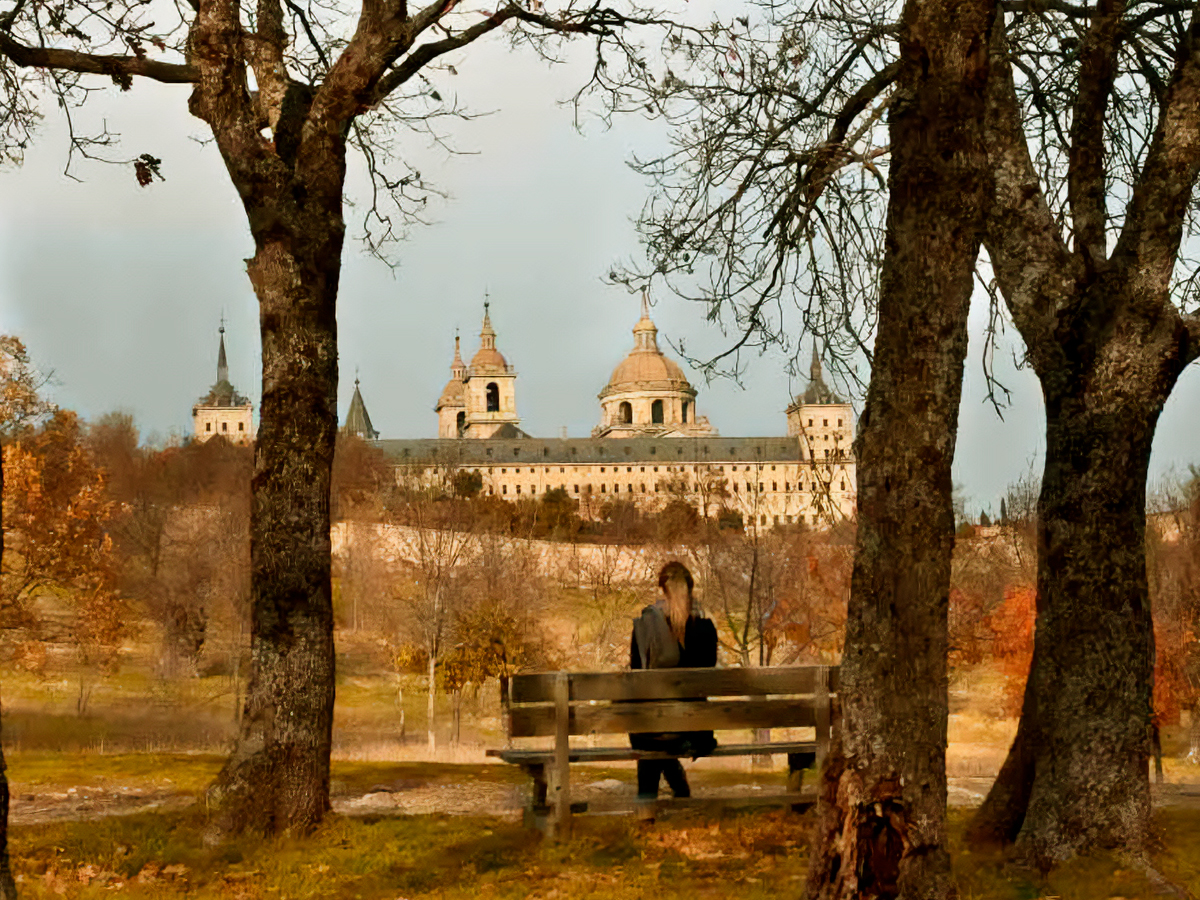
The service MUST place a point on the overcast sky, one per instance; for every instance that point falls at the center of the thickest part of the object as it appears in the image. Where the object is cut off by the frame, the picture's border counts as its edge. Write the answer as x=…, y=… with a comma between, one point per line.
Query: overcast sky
x=119, y=290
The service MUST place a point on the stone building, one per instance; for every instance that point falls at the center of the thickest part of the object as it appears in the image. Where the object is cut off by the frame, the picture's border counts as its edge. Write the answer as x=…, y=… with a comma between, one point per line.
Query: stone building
x=223, y=410
x=650, y=446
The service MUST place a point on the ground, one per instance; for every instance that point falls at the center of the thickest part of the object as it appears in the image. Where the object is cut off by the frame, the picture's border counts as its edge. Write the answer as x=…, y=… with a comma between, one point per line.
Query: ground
x=110, y=803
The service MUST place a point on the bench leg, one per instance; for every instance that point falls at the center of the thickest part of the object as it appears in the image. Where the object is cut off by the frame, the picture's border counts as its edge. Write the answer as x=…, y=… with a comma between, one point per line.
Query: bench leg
x=797, y=763
x=536, y=812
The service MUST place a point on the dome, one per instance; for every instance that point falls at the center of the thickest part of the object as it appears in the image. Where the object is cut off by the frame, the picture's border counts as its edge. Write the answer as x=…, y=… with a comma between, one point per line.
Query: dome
x=642, y=370
x=453, y=394
x=488, y=358
x=645, y=367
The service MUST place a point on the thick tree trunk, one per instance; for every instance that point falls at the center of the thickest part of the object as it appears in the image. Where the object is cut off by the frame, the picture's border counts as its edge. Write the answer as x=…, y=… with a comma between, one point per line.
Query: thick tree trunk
x=278, y=775
x=1077, y=775
x=881, y=812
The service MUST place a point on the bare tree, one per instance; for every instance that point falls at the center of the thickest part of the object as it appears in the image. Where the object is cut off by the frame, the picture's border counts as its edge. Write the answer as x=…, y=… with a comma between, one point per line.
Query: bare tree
x=325, y=78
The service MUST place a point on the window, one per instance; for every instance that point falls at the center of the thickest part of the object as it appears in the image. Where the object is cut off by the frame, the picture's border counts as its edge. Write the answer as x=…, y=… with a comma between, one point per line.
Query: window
x=843, y=485
x=810, y=423
x=683, y=417
x=208, y=427
x=602, y=468
x=629, y=468
x=643, y=488
x=504, y=488
x=490, y=491
x=656, y=488
x=518, y=489
x=533, y=489
x=489, y=451
x=224, y=426
x=461, y=423
x=762, y=520
x=545, y=451
x=562, y=470
x=503, y=471
x=516, y=451
x=577, y=489
x=653, y=451
x=760, y=487
x=643, y=468
x=774, y=486
x=629, y=488
x=628, y=451
x=777, y=520
x=602, y=488
x=656, y=412
x=241, y=426
x=735, y=489
x=827, y=453
x=825, y=423
x=574, y=451
x=839, y=423
x=625, y=413
x=493, y=397
x=749, y=488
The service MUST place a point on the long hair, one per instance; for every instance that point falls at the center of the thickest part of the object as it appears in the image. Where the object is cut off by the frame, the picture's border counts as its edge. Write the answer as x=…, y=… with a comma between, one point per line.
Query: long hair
x=679, y=603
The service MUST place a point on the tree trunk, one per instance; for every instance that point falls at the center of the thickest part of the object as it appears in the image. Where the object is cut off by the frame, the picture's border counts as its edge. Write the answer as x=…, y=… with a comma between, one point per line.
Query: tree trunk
x=1193, y=755
x=1077, y=775
x=881, y=810
x=431, y=694
x=278, y=775
x=8, y=888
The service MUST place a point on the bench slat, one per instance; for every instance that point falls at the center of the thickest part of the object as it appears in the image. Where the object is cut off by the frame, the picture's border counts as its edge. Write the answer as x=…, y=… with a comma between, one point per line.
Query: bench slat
x=665, y=716
x=659, y=684
x=618, y=754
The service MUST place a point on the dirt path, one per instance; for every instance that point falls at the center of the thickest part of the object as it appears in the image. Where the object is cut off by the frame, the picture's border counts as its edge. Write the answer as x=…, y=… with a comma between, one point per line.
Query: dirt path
x=40, y=804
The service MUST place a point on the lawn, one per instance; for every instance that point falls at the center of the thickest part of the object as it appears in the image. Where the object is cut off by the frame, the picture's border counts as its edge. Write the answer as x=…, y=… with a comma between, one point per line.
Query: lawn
x=684, y=855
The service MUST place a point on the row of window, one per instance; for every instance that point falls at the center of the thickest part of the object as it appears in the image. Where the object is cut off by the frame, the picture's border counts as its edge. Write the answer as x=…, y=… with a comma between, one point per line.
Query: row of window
x=600, y=451
x=224, y=426
x=824, y=423
x=630, y=488
x=563, y=469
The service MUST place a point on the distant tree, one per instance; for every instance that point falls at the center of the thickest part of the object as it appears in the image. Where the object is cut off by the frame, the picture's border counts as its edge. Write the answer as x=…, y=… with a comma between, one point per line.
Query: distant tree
x=58, y=548
x=468, y=483
x=20, y=406
x=361, y=477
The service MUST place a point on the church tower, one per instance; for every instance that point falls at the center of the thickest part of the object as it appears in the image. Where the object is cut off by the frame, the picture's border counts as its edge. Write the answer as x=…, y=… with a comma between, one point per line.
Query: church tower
x=822, y=420
x=490, y=390
x=223, y=411
x=452, y=404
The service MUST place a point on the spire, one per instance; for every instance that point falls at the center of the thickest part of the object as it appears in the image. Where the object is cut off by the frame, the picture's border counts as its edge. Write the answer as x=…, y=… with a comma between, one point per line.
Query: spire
x=222, y=365
x=457, y=368
x=357, y=421
x=645, y=333
x=487, y=337
x=814, y=370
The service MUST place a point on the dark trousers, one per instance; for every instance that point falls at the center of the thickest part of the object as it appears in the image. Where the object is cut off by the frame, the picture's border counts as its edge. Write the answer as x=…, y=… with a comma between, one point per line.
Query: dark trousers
x=649, y=771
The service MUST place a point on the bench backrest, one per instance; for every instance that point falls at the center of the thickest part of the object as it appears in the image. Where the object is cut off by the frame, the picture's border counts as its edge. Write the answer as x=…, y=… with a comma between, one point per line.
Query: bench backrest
x=598, y=702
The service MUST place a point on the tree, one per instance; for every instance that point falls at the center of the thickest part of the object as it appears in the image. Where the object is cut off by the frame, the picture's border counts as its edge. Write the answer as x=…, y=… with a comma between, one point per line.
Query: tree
x=324, y=79
x=1107, y=340
x=20, y=405
x=881, y=829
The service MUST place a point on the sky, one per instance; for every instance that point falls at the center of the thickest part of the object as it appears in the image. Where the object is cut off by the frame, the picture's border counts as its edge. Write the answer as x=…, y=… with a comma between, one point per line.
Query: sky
x=119, y=290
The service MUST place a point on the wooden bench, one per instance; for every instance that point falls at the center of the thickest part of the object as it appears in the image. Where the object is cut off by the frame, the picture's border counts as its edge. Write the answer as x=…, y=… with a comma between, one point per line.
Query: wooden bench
x=566, y=704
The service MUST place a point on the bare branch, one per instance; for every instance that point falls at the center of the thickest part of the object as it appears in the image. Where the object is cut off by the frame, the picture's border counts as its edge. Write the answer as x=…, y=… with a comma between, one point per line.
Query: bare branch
x=1085, y=168
x=120, y=68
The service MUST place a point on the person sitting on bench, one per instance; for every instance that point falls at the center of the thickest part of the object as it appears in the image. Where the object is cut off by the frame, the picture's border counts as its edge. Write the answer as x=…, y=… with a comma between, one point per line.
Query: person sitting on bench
x=671, y=633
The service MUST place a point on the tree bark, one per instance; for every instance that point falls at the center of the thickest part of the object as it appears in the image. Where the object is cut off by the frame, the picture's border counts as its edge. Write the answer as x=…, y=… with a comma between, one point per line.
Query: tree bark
x=278, y=775
x=1077, y=775
x=881, y=812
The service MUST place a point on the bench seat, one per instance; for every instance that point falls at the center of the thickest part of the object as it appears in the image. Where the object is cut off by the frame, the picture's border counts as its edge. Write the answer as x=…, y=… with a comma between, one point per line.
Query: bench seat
x=521, y=757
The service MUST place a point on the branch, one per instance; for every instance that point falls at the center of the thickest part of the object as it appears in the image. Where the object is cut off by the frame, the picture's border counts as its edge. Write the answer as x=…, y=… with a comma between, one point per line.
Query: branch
x=1033, y=266
x=1191, y=325
x=1085, y=166
x=120, y=68
x=1155, y=217
x=426, y=53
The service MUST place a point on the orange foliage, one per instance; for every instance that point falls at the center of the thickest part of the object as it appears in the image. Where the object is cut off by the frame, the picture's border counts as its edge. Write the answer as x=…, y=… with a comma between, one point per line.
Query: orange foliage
x=1012, y=624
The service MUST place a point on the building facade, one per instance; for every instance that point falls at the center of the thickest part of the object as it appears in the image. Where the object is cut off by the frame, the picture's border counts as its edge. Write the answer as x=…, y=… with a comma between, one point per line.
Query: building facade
x=650, y=446
x=223, y=411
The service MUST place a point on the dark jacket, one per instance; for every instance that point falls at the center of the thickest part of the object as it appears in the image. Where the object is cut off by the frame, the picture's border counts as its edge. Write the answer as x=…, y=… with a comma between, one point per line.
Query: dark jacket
x=699, y=650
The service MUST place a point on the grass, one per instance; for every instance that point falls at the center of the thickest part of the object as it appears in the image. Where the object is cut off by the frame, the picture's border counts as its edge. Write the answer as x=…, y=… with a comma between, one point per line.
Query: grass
x=748, y=856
